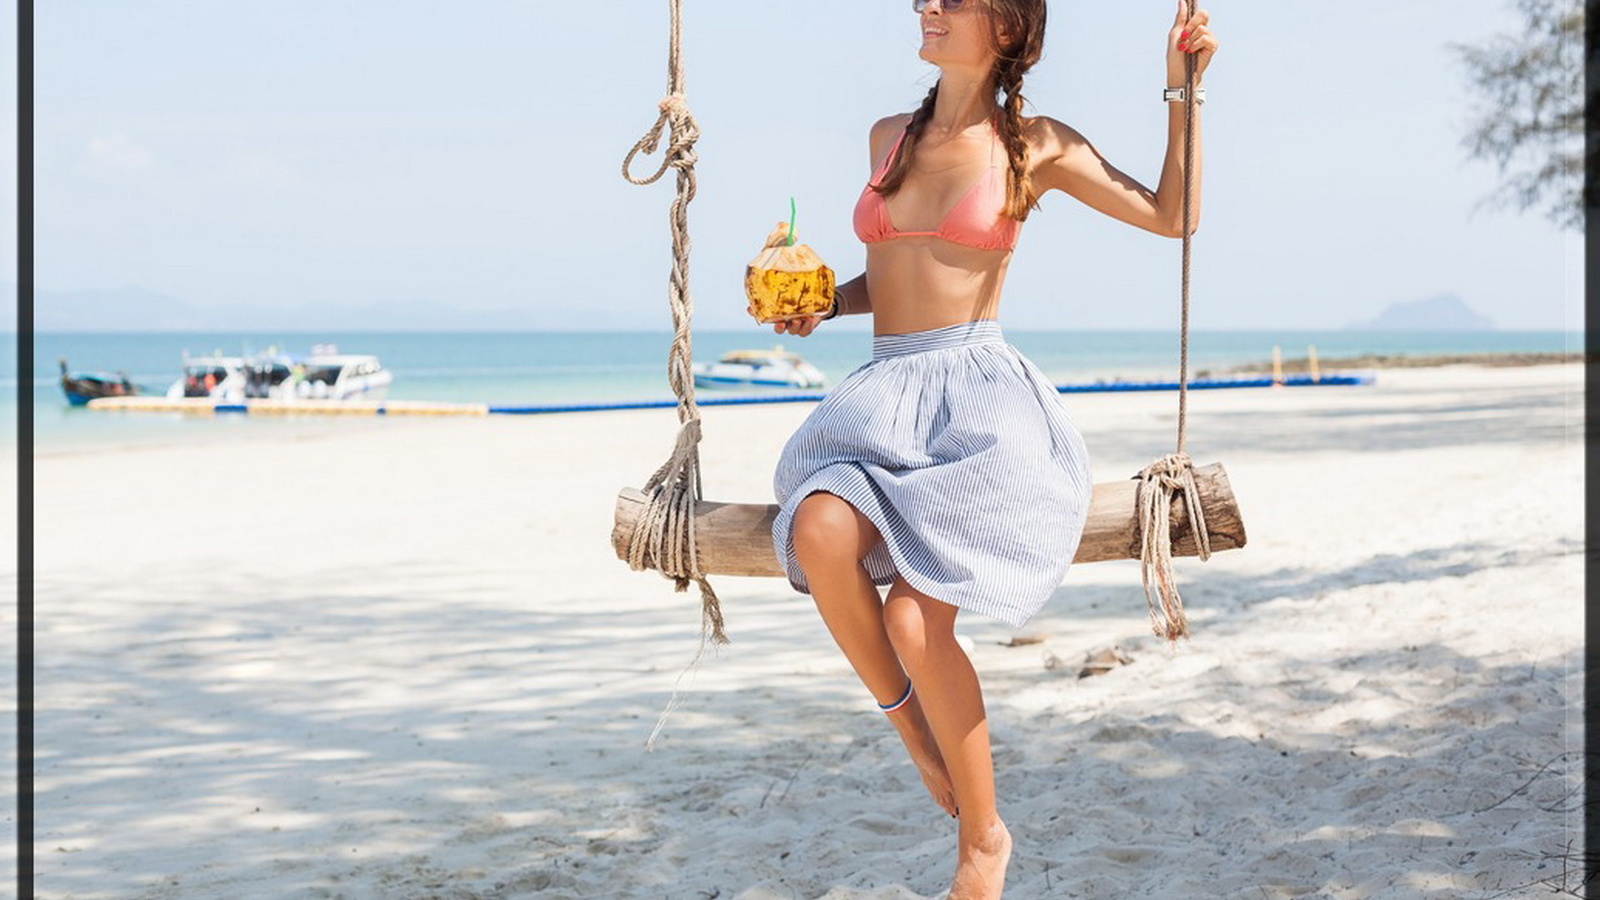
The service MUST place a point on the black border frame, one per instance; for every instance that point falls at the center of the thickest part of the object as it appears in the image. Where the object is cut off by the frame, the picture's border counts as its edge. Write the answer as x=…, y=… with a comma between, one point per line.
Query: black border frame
x=24, y=337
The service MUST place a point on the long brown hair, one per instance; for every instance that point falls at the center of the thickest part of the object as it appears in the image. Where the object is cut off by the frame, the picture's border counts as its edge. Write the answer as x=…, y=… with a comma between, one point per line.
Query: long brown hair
x=1023, y=21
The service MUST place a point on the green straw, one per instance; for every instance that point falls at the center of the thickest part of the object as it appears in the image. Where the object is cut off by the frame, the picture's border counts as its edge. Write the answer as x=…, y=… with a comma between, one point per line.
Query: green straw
x=791, y=222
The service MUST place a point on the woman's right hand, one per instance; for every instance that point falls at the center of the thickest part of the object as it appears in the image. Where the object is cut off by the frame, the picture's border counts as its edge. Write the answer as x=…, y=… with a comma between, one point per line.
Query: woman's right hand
x=799, y=326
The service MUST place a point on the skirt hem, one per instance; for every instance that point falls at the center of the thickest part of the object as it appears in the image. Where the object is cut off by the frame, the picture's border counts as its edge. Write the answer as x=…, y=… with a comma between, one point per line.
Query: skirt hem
x=887, y=560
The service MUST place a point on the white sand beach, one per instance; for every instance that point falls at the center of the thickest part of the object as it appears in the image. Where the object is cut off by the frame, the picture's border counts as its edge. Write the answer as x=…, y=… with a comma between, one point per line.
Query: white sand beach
x=397, y=658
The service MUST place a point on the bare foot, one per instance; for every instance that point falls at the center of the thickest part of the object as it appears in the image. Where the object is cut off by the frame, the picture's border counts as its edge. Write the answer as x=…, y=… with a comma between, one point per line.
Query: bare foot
x=914, y=732
x=981, y=864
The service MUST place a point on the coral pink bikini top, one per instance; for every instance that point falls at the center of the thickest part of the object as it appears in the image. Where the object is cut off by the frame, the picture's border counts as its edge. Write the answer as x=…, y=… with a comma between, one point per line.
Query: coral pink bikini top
x=977, y=219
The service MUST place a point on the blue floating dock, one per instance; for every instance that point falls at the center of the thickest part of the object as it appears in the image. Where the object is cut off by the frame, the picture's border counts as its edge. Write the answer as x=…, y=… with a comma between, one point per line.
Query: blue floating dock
x=1211, y=384
x=813, y=396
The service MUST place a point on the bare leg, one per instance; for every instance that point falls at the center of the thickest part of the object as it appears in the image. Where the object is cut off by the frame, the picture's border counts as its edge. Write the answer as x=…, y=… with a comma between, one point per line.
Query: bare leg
x=831, y=537
x=922, y=631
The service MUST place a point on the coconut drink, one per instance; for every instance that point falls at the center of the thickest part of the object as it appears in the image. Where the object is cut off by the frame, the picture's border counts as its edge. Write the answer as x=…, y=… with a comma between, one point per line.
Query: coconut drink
x=786, y=280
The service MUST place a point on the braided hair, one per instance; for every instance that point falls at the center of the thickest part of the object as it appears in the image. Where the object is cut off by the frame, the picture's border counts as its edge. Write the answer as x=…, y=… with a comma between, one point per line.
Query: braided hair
x=1023, y=22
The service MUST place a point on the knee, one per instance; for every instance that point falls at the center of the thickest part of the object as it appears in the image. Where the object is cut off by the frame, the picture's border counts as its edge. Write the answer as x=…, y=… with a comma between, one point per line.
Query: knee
x=826, y=528
x=905, y=624
x=919, y=627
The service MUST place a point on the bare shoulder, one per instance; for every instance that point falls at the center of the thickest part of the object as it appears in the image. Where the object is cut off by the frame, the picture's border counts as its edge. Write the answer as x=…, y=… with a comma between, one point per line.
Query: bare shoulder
x=1050, y=139
x=890, y=126
x=1060, y=157
x=884, y=132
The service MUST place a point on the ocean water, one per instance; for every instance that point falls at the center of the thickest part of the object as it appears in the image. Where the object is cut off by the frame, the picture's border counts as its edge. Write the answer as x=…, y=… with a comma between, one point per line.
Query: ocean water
x=544, y=367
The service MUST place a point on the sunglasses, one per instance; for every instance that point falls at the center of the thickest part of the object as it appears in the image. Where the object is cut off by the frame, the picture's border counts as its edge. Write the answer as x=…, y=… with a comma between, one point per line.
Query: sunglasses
x=945, y=5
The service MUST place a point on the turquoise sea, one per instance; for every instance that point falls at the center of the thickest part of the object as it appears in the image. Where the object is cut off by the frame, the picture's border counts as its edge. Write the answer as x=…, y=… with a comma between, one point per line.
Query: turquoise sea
x=545, y=367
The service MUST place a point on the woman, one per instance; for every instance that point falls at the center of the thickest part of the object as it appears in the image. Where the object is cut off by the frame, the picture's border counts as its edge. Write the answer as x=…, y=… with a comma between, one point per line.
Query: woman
x=947, y=468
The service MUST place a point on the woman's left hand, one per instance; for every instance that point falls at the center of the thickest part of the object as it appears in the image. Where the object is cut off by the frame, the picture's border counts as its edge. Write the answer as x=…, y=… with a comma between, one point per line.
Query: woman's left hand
x=1189, y=35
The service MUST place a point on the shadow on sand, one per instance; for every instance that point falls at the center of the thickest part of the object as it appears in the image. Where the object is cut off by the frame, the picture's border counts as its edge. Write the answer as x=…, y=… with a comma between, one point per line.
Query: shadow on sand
x=458, y=743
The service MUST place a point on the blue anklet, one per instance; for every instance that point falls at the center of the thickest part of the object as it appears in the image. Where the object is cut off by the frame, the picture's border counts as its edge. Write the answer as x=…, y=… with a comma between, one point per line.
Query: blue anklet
x=904, y=699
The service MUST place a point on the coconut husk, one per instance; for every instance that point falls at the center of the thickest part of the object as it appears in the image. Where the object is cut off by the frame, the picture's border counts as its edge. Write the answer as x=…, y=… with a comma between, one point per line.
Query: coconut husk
x=787, y=280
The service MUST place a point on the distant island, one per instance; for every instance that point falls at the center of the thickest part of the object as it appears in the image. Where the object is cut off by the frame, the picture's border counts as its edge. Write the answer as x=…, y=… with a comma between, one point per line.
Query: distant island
x=1441, y=312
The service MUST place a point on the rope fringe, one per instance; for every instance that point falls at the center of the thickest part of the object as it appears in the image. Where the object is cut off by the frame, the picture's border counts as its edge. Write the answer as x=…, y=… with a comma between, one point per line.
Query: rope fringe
x=1159, y=483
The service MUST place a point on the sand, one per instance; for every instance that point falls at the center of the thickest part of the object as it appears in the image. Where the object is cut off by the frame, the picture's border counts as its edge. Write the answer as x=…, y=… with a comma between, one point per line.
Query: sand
x=398, y=659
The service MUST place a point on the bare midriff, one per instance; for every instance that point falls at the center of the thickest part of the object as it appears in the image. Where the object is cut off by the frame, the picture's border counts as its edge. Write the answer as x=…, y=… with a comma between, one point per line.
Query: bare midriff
x=922, y=282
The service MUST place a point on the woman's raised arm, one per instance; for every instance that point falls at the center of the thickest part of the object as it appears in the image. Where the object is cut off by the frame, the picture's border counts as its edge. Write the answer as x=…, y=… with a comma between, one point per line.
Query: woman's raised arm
x=1069, y=163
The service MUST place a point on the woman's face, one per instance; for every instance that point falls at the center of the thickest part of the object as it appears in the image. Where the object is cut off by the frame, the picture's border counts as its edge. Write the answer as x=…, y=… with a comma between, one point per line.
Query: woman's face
x=957, y=37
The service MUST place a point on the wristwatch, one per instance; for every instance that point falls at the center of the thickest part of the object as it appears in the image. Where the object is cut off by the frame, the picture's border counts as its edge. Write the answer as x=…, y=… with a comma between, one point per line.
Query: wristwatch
x=1177, y=94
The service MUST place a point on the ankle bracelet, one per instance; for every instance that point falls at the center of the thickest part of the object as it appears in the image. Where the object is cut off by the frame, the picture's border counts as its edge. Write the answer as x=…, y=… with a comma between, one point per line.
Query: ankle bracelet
x=904, y=699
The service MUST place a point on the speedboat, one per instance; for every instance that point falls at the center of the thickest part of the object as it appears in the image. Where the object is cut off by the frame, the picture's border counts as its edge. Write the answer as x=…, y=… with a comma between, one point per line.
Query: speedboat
x=758, y=369
x=323, y=374
x=216, y=376
x=339, y=376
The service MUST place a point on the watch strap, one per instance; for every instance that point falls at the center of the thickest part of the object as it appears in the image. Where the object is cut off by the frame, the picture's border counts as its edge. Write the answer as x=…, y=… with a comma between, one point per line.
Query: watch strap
x=1179, y=94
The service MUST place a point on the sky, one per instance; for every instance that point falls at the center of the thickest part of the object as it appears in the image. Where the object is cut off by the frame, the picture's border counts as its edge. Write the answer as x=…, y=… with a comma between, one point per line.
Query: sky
x=431, y=164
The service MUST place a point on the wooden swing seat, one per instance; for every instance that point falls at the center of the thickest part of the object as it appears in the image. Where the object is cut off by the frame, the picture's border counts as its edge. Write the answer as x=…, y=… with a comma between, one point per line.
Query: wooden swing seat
x=736, y=538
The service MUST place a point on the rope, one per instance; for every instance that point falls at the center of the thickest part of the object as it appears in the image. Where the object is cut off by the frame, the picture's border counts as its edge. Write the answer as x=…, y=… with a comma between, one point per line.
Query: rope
x=1173, y=475
x=1159, y=483
x=665, y=539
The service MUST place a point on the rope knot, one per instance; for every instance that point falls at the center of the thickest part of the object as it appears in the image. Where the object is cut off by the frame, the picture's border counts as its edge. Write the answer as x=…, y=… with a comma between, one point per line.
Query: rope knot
x=1159, y=483
x=1168, y=471
x=665, y=537
x=674, y=117
x=674, y=105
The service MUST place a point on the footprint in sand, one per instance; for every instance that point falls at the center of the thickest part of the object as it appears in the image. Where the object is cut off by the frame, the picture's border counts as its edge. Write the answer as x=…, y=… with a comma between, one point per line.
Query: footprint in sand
x=1128, y=855
x=877, y=824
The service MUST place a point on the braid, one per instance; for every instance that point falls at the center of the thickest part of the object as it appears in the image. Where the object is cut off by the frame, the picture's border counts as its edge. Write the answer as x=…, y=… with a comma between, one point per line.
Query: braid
x=1018, y=197
x=897, y=173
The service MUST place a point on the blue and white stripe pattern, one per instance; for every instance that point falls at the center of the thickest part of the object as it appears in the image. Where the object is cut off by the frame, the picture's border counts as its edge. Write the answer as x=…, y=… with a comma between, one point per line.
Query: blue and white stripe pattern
x=962, y=453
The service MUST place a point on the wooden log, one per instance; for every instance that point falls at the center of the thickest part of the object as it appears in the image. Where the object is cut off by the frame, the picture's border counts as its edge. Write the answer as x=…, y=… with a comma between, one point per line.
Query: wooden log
x=736, y=538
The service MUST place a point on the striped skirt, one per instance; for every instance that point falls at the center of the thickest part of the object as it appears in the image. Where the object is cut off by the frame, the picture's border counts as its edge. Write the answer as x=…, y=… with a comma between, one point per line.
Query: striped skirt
x=962, y=454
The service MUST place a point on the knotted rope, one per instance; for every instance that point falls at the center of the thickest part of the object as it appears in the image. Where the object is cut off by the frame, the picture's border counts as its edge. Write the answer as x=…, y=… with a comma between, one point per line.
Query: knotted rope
x=665, y=539
x=1173, y=475
x=1159, y=483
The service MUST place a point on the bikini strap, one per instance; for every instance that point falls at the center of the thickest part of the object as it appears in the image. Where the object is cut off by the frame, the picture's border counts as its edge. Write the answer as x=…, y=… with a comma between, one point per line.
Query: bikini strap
x=895, y=147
